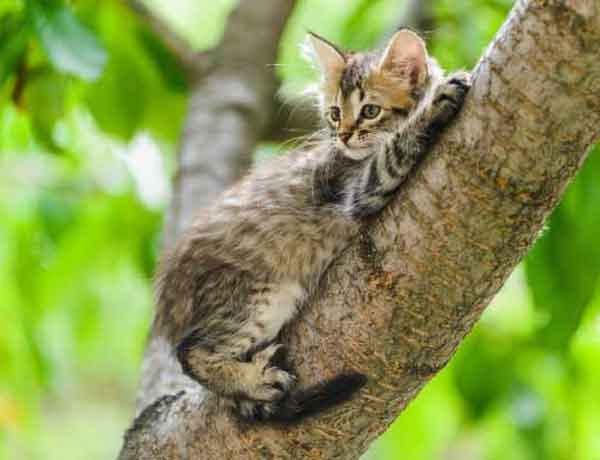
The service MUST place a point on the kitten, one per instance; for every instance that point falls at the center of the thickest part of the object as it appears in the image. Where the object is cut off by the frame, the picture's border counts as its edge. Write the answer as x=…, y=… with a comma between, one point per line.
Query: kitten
x=248, y=263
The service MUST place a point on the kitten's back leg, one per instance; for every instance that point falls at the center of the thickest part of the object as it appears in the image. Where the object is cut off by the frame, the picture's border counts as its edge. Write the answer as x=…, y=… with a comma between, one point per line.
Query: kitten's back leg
x=232, y=354
x=253, y=386
x=229, y=350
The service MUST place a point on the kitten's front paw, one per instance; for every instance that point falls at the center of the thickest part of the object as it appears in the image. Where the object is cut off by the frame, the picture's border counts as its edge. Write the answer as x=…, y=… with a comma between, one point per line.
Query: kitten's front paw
x=449, y=97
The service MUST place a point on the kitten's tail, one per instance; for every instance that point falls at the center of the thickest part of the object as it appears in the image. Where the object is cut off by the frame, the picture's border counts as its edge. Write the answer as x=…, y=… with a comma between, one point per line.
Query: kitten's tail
x=303, y=403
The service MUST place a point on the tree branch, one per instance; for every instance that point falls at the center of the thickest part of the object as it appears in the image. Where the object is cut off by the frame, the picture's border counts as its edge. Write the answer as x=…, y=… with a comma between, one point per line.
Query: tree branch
x=194, y=64
x=398, y=303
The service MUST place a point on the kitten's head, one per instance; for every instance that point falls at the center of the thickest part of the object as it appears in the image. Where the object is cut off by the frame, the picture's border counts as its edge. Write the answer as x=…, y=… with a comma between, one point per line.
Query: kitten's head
x=364, y=95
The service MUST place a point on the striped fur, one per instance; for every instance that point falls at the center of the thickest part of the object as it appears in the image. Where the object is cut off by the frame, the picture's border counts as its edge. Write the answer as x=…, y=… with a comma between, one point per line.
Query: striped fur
x=247, y=264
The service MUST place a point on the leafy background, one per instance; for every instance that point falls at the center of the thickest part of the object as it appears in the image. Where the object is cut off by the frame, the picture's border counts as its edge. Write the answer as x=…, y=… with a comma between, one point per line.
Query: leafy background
x=91, y=106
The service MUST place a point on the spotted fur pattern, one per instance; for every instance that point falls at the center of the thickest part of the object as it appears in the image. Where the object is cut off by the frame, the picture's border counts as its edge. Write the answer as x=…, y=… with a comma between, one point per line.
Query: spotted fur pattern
x=248, y=263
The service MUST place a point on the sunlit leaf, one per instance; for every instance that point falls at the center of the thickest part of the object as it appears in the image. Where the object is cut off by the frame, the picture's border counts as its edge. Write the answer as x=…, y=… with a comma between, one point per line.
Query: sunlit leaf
x=71, y=47
x=482, y=354
x=134, y=92
x=119, y=99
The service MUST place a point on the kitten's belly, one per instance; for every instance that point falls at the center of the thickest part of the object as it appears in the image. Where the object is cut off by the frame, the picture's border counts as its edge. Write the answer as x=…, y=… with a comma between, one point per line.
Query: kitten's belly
x=297, y=263
x=273, y=310
x=282, y=307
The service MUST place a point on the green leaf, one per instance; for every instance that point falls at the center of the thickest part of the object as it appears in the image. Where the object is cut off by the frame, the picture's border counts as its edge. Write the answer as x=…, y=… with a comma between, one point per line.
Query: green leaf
x=13, y=42
x=169, y=68
x=564, y=267
x=10, y=7
x=45, y=102
x=119, y=99
x=71, y=47
x=492, y=356
x=134, y=93
x=361, y=27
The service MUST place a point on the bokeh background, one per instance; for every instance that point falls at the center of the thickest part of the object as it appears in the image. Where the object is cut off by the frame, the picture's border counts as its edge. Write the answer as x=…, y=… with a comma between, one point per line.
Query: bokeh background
x=91, y=106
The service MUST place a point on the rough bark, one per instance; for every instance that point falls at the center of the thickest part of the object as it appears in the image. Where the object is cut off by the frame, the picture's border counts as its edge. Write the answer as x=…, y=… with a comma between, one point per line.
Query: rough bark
x=397, y=304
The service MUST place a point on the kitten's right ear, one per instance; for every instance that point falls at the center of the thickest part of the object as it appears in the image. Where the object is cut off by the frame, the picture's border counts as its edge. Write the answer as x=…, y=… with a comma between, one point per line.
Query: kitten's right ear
x=405, y=57
x=328, y=58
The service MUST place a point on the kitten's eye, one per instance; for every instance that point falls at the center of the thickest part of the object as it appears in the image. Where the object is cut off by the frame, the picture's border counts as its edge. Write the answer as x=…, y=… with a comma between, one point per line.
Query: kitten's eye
x=334, y=114
x=370, y=110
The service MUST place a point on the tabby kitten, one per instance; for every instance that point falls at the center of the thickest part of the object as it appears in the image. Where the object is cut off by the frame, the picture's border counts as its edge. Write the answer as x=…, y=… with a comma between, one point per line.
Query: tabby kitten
x=248, y=263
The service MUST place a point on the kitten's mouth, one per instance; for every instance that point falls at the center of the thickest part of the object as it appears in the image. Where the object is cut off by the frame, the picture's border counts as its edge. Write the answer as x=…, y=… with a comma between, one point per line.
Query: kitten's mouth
x=356, y=152
x=357, y=144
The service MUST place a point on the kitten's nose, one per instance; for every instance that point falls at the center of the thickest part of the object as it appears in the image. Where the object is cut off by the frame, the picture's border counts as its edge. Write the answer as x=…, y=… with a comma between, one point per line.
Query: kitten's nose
x=345, y=137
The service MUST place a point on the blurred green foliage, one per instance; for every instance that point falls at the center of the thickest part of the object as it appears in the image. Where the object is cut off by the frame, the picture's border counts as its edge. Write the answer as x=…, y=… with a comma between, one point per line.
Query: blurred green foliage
x=91, y=104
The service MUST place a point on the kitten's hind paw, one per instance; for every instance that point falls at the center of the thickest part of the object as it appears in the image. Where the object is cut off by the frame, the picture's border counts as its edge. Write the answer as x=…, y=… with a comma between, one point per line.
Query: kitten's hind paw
x=265, y=381
x=269, y=385
x=300, y=404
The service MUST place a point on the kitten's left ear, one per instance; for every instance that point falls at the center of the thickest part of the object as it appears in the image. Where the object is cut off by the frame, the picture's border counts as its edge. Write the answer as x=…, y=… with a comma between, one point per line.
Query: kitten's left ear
x=405, y=57
x=325, y=55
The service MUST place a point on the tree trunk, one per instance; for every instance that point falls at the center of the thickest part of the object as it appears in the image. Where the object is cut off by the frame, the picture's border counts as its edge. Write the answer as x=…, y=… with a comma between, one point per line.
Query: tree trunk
x=396, y=305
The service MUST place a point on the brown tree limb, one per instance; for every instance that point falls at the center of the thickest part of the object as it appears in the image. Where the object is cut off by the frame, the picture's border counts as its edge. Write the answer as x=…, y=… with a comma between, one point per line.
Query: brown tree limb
x=18, y=89
x=398, y=303
x=194, y=64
